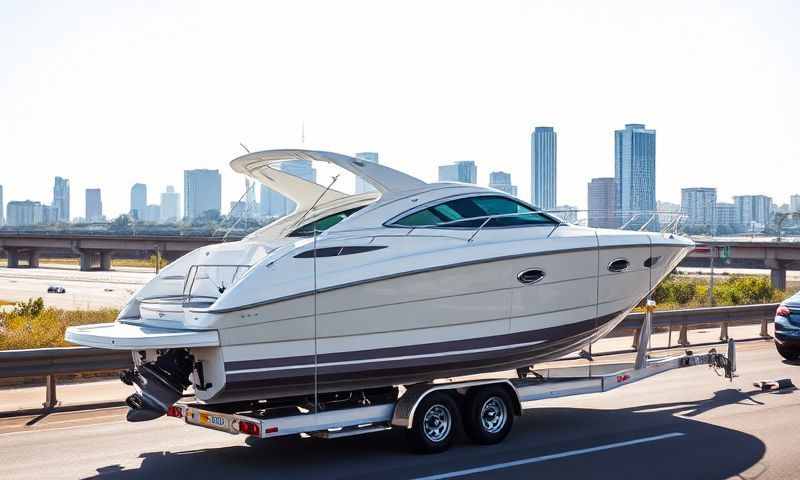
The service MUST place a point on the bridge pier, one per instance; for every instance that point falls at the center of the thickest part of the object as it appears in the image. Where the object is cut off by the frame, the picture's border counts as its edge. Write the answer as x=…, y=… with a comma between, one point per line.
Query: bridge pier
x=33, y=259
x=777, y=273
x=105, y=261
x=95, y=260
x=12, y=254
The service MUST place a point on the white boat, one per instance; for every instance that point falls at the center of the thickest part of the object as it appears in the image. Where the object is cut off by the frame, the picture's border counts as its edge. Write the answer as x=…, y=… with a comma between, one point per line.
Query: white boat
x=409, y=283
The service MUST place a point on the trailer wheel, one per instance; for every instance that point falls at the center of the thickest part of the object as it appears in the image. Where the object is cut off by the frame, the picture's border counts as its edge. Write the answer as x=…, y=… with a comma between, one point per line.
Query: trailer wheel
x=488, y=415
x=436, y=424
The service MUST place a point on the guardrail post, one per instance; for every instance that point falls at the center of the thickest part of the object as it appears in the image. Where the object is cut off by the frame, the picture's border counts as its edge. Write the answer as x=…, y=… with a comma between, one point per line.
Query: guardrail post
x=723, y=332
x=636, y=332
x=683, y=335
x=764, y=328
x=50, y=399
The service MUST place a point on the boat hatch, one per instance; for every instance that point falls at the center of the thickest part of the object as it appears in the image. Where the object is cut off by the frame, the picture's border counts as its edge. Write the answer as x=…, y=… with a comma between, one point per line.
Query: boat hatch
x=125, y=336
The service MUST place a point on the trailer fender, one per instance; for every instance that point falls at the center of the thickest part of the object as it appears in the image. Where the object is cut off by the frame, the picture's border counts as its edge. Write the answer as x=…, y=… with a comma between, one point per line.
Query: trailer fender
x=403, y=415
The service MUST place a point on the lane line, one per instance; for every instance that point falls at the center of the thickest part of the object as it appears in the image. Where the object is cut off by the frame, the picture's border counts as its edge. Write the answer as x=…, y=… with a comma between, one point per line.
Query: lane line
x=554, y=456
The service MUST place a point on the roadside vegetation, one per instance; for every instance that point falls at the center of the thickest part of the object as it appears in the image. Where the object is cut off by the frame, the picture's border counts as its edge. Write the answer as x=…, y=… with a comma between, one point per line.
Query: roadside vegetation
x=115, y=262
x=679, y=291
x=32, y=325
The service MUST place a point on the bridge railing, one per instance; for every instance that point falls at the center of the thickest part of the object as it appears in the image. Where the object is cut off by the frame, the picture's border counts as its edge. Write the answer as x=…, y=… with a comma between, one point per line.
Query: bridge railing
x=50, y=362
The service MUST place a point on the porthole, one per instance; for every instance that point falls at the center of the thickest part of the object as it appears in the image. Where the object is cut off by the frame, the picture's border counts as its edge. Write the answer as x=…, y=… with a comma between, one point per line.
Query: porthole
x=530, y=276
x=618, y=265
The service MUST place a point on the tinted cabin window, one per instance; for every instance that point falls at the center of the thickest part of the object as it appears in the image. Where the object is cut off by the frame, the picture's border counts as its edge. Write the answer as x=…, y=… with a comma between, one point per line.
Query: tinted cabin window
x=323, y=223
x=472, y=212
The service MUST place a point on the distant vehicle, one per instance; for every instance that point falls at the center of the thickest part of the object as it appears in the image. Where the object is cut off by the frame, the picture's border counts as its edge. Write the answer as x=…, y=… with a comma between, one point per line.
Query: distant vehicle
x=787, y=328
x=56, y=289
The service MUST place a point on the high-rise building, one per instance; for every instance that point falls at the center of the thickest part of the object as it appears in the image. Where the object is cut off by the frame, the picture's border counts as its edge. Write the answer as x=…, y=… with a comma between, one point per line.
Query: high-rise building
x=794, y=202
x=753, y=211
x=202, y=193
x=464, y=171
x=138, y=201
x=238, y=208
x=544, y=159
x=361, y=185
x=635, y=169
x=699, y=206
x=2, y=207
x=25, y=213
x=602, y=197
x=94, y=205
x=152, y=213
x=170, y=205
x=61, y=200
x=272, y=203
x=502, y=181
x=725, y=214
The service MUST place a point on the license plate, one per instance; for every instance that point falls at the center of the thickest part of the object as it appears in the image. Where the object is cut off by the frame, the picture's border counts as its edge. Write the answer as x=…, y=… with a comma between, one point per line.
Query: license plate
x=208, y=420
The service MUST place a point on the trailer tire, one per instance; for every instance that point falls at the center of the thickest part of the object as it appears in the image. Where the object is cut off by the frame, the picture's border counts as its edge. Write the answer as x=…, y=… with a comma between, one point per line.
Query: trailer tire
x=436, y=424
x=488, y=414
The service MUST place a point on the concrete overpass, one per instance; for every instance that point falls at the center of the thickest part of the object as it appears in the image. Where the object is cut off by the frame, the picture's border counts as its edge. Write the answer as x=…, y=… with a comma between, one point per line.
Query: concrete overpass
x=766, y=253
x=95, y=250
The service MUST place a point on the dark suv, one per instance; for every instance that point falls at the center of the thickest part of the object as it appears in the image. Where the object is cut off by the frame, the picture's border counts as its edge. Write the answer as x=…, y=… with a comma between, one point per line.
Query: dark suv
x=787, y=328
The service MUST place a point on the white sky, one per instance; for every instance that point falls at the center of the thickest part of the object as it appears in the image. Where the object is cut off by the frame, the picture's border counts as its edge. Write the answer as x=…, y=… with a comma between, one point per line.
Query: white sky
x=109, y=94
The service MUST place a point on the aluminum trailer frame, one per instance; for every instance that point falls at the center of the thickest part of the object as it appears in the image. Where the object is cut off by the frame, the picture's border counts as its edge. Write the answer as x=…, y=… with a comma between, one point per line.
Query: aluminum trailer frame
x=548, y=383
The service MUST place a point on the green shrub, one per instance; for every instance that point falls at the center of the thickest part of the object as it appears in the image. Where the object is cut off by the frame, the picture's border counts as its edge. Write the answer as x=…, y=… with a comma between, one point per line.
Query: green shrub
x=32, y=325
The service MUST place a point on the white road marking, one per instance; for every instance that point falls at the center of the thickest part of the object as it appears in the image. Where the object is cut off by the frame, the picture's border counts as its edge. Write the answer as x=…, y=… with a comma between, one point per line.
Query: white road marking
x=554, y=456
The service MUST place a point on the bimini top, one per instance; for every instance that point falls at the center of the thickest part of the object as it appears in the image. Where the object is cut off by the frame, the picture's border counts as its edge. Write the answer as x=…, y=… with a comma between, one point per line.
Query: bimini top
x=264, y=167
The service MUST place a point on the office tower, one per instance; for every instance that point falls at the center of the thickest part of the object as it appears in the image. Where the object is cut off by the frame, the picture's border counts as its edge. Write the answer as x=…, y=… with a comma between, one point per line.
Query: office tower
x=25, y=213
x=794, y=201
x=602, y=199
x=94, y=205
x=544, y=159
x=754, y=212
x=635, y=170
x=361, y=185
x=138, y=201
x=699, y=206
x=568, y=213
x=170, y=205
x=61, y=200
x=464, y=171
x=152, y=213
x=202, y=193
x=272, y=204
x=725, y=214
x=250, y=197
x=237, y=209
x=502, y=181
x=2, y=207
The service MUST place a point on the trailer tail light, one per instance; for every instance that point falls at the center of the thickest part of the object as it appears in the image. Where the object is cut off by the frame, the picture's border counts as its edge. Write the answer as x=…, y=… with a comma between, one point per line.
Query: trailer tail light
x=174, y=411
x=783, y=311
x=249, y=428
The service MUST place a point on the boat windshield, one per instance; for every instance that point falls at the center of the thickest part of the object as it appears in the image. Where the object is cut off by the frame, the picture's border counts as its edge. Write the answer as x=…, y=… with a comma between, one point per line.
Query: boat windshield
x=473, y=212
x=322, y=224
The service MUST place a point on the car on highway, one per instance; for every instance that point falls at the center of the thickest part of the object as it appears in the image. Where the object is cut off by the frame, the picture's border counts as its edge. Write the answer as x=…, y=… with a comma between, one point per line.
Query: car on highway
x=787, y=328
x=56, y=289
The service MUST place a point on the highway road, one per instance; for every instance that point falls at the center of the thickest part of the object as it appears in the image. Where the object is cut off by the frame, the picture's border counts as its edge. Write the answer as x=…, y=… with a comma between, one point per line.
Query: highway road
x=85, y=290
x=683, y=424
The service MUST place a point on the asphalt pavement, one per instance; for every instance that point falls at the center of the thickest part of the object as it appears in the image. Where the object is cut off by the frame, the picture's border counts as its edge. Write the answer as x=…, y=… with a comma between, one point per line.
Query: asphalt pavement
x=685, y=424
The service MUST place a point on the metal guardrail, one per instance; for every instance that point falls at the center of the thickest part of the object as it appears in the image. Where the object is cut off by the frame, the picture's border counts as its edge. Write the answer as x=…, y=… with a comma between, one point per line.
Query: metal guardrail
x=49, y=362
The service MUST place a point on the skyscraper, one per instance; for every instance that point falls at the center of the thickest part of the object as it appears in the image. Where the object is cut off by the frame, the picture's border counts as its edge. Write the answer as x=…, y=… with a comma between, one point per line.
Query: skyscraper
x=272, y=203
x=2, y=207
x=61, y=199
x=94, y=205
x=502, y=181
x=753, y=209
x=138, y=201
x=699, y=206
x=602, y=198
x=25, y=213
x=464, y=171
x=794, y=201
x=725, y=214
x=635, y=169
x=361, y=185
x=202, y=193
x=544, y=158
x=170, y=205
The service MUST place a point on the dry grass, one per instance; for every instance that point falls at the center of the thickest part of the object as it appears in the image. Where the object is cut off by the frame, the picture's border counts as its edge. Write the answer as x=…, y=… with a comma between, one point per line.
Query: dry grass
x=31, y=325
x=118, y=262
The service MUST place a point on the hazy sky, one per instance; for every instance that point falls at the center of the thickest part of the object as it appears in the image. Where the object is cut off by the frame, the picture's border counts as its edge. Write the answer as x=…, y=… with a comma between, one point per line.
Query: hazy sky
x=112, y=93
